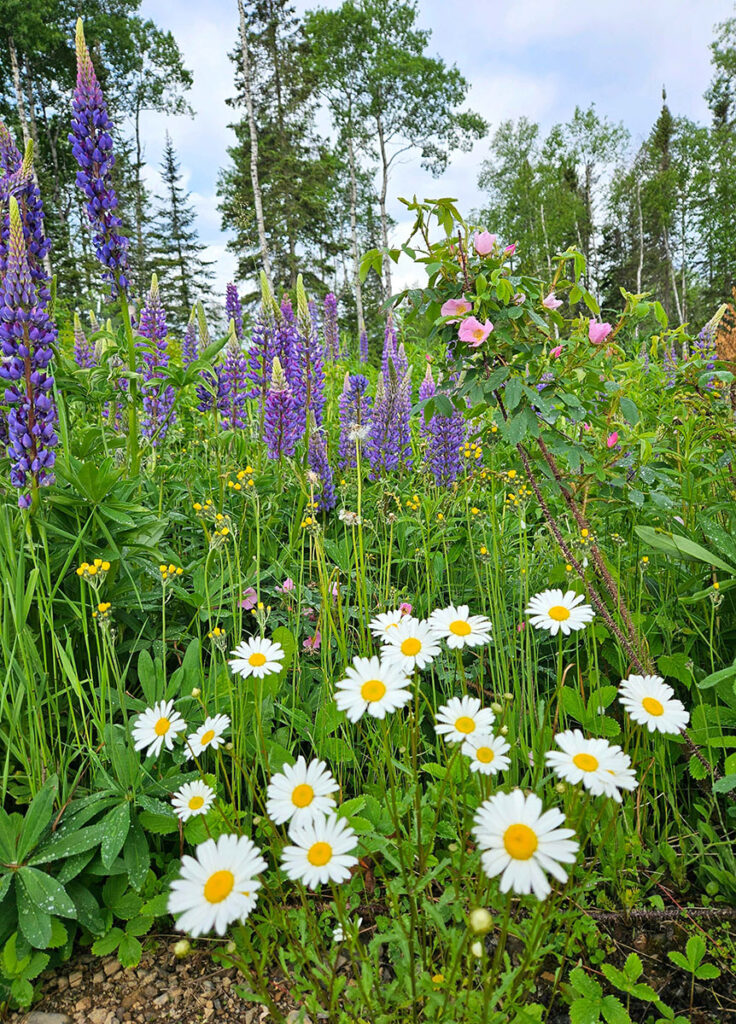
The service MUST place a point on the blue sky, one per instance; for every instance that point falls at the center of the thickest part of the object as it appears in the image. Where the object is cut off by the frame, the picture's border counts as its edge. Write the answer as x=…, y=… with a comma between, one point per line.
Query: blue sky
x=534, y=57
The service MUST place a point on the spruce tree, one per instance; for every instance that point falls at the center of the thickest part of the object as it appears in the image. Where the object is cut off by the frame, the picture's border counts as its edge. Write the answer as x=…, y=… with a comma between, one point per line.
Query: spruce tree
x=184, y=273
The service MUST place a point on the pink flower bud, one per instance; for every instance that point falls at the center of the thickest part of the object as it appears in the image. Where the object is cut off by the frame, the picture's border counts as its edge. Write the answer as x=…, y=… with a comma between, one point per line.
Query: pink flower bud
x=556, y=352
x=484, y=243
x=510, y=249
x=598, y=332
x=612, y=439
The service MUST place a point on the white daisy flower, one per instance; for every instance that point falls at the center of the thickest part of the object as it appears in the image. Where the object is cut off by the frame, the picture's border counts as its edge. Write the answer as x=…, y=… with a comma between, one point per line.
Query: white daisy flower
x=487, y=753
x=601, y=768
x=520, y=841
x=460, y=629
x=218, y=886
x=372, y=685
x=193, y=798
x=210, y=734
x=320, y=852
x=649, y=701
x=413, y=644
x=381, y=624
x=299, y=791
x=257, y=657
x=461, y=717
x=552, y=610
x=157, y=726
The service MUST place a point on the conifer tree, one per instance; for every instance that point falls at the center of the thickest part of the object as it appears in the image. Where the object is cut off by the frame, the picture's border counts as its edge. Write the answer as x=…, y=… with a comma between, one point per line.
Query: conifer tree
x=178, y=253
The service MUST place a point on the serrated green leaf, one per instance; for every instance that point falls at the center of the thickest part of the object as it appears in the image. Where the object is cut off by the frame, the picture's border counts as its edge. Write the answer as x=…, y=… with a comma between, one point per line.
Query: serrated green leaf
x=129, y=951
x=45, y=892
x=108, y=943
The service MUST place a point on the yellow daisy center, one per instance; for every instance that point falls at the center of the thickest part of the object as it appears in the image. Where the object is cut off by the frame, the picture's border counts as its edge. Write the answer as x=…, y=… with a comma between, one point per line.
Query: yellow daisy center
x=319, y=854
x=411, y=646
x=585, y=762
x=559, y=613
x=465, y=724
x=196, y=802
x=302, y=795
x=372, y=689
x=257, y=659
x=219, y=886
x=484, y=754
x=460, y=627
x=520, y=841
x=208, y=737
x=162, y=726
x=653, y=706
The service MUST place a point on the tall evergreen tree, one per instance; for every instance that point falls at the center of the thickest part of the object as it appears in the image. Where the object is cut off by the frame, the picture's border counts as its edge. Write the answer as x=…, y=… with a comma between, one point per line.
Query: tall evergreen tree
x=184, y=273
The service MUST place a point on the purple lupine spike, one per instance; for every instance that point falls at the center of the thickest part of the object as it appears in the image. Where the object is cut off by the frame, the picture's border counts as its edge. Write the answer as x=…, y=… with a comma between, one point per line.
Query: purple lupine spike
x=91, y=139
x=363, y=346
x=319, y=465
x=355, y=418
x=233, y=309
x=310, y=393
x=427, y=390
x=705, y=345
x=669, y=365
x=330, y=327
x=389, y=347
x=389, y=442
x=213, y=392
x=19, y=180
x=445, y=437
x=287, y=310
x=26, y=336
x=190, y=343
x=280, y=419
x=235, y=382
x=401, y=362
x=84, y=355
x=157, y=400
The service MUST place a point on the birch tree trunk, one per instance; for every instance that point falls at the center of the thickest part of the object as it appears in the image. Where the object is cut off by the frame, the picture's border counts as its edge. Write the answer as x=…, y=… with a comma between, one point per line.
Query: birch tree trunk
x=354, y=235
x=20, y=101
x=384, y=216
x=257, y=195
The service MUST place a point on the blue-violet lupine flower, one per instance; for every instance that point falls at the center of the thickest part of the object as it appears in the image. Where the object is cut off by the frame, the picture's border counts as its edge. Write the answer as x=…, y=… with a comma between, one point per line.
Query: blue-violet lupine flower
x=84, y=355
x=157, y=400
x=17, y=179
x=363, y=345
x=91, y=141
x=355, y=418
x=389, y=441
x=190, y=343
x=445, y=437
x=319, y=465
x=26, y=336
x=233, y=309
x=330, y=327
x=235, y=382
x=280, y=420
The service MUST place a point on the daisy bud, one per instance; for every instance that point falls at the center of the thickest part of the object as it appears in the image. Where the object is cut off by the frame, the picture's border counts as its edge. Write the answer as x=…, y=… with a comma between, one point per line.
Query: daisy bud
x=477, y=949
x=196, y=692
x=231, y=947
x=182, y=948
x=480, y=920
x=560, y=787
x=508, y=696
x=496, y=708
x=504, y=730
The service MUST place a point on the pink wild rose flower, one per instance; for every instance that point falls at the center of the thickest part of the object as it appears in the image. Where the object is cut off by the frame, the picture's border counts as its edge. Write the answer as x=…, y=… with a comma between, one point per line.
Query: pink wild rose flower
x=551, y=302
x=484, y=243
x=454, y=307
x=287, y=586
x=250, y=599
x=598, y=332
x=405, y=608
x=474, y=332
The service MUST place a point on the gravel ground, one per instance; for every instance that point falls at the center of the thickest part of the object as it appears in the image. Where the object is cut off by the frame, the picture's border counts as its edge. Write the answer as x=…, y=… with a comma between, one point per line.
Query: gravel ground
x=90, y=990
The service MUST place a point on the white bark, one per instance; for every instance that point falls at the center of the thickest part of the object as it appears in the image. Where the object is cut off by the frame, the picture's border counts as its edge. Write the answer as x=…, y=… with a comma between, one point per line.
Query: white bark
x=257, y=195
x=384, y=215
x=354, y=235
